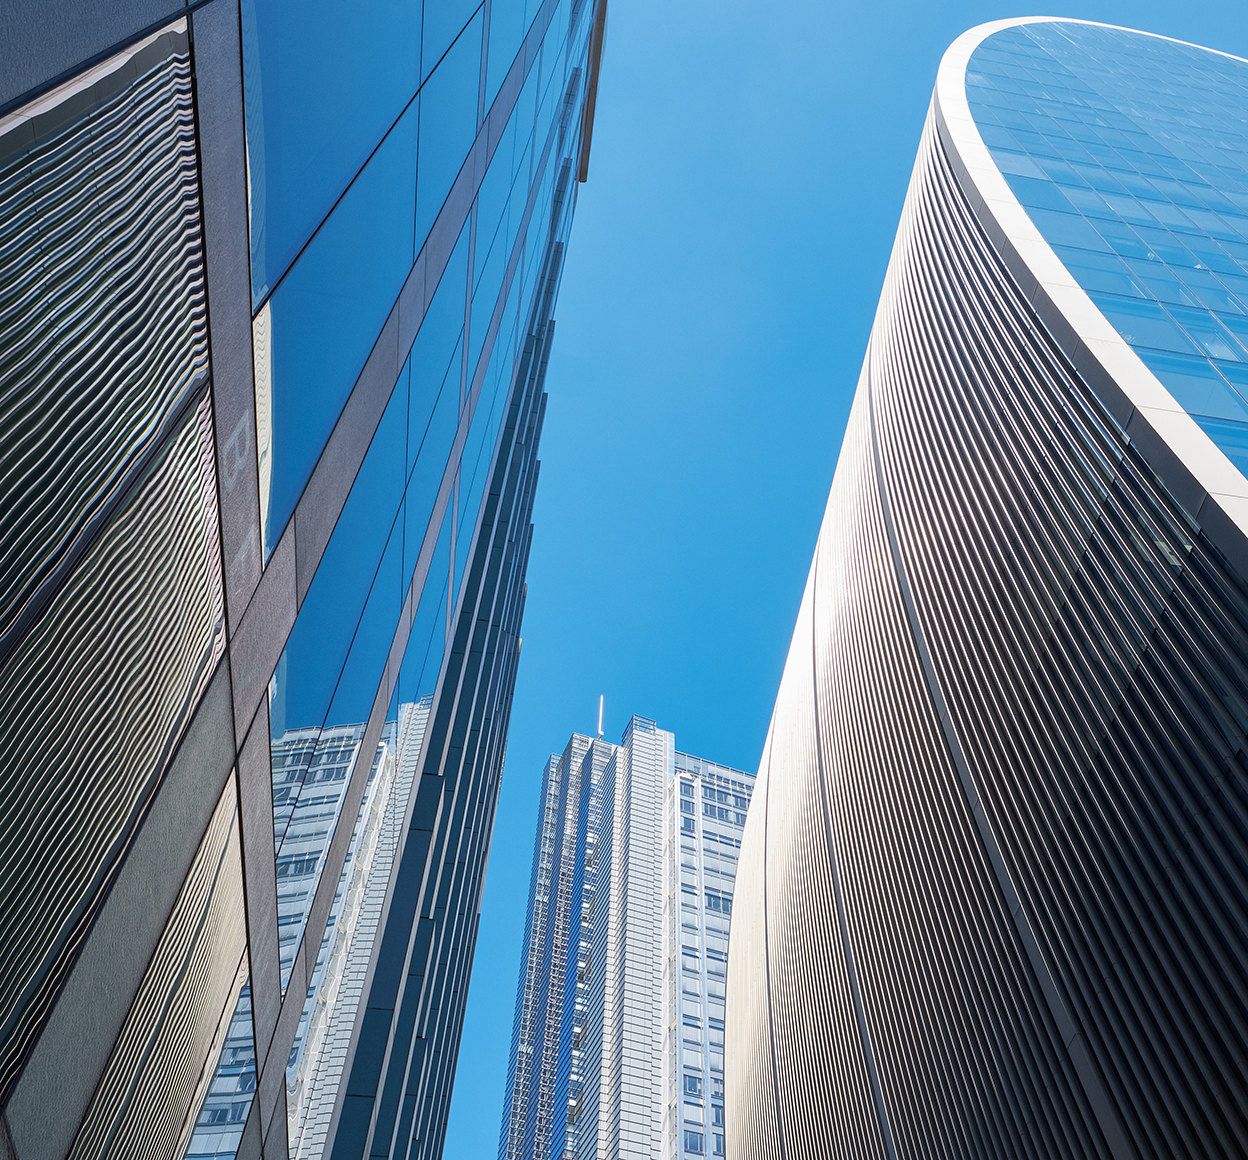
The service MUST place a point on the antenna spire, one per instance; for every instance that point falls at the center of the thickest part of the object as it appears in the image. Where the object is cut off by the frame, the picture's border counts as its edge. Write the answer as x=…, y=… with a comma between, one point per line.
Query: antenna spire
x=600, y=716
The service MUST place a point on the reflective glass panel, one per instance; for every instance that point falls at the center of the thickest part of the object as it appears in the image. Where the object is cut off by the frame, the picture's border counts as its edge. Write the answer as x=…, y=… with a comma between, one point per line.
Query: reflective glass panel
x=222, y=1115
x=311, y=124
x=448, y=122
x=1130, y=154
x=325, y=317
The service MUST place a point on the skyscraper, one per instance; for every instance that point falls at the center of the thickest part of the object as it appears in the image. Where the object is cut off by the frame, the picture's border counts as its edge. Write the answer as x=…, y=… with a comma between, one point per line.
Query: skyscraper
x=617, y=1049
x=278, y=286
x=704, y=814
x=992, y=895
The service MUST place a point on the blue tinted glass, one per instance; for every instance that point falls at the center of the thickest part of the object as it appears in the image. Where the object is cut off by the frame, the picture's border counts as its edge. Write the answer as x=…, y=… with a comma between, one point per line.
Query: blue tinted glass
x=1231, y=437
x=1153, y=139
x=433, y=362
x=423, y=657
x=492, y=196
x=313, y=819
x=328, y=312
x=337, y=650
x=478, y=453
x=448, y=123
x=433, y=444
x=484, y=299
x=312, y=661
x=507, y=29
x=444, y=21
x=474, y=470
x=357, y=687
x=316, y=810
x=310, y=124
x=1197, y=386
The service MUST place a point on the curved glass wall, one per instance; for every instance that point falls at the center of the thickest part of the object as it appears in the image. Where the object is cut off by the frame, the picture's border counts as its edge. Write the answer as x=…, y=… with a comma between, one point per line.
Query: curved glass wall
x=1130, y=154
x=992, y=898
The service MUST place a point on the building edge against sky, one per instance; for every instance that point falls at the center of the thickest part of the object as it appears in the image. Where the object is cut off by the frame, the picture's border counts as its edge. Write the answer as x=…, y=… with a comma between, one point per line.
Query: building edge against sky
x=617, y=1047
x=275, y=347
x=1002, y=805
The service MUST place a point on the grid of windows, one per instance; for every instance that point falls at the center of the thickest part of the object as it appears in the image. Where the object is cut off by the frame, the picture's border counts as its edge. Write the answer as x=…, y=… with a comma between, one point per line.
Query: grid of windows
x=1131, y=157
x=700, y=858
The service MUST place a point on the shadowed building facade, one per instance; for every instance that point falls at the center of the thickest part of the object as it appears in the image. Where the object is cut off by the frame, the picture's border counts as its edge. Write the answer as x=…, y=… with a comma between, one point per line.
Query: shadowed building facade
x=993, y=894
x=277, y=284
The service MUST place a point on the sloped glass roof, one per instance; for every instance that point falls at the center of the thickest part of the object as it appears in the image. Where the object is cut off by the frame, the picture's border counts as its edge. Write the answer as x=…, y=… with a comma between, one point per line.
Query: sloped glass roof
x=1130, y=154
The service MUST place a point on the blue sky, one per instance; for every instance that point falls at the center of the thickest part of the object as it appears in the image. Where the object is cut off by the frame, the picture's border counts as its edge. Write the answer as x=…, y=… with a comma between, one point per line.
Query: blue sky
x=748, y=170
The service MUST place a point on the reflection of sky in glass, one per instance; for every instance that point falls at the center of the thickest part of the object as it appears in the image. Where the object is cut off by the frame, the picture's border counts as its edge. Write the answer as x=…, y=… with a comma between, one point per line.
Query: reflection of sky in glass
x=1131, y=156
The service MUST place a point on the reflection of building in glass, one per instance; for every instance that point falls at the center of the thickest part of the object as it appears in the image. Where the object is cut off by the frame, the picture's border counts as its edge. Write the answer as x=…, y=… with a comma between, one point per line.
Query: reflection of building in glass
x=992, y=894
x=218, y=1129
x=280, y=306
x=617, y=1047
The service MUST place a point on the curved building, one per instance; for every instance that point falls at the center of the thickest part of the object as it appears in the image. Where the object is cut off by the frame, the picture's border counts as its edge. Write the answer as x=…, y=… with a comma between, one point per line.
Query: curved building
x=993, y=894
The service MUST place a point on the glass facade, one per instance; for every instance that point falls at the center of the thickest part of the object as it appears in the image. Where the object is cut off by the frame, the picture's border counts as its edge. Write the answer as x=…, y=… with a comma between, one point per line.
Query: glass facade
x=278, y=285
x=617, y=1047
x=1130, y=154
x=991, y=881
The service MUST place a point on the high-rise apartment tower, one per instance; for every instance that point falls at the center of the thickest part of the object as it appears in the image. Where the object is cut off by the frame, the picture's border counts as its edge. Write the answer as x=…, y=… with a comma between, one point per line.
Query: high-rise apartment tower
x=618, y=1043
x=993, y=897
x=277, y=284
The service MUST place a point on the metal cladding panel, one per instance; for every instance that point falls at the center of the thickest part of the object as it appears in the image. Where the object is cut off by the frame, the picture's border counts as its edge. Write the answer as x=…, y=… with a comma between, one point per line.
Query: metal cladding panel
x=1017, y=691
x=144, y=1103
x=102, y=302
x=111, y=622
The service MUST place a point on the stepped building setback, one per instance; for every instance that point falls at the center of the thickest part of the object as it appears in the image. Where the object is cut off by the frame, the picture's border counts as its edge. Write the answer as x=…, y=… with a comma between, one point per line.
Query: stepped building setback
x=277, y=293
x=993, y=894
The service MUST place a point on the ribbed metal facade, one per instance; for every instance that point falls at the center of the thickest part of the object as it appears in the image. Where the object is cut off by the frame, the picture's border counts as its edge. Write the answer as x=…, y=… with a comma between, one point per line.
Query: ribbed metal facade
x=112, y=607
x=275, y=316
x=991, y=896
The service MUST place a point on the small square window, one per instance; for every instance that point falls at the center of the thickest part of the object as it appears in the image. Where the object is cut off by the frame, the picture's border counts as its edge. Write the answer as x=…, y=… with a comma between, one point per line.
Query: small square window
x=693, y=1085
x=693, y=1143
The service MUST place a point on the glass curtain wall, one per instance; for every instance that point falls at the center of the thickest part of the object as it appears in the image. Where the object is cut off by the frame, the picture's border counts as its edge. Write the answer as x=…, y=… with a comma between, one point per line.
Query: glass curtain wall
x=434, y=201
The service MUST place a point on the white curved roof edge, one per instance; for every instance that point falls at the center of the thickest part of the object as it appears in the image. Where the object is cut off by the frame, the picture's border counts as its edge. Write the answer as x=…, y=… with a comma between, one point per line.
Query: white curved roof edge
x=1150, y=400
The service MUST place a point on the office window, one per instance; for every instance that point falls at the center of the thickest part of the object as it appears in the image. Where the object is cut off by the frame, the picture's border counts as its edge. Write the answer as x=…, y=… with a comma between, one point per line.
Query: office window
x=693, y=1142
x=693, y=1085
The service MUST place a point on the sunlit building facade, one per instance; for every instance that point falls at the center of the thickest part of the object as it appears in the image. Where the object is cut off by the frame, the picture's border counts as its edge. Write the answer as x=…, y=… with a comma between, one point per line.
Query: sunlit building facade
x=704, y=813
x=991, y=898
x=617, y=1048
x=277, y=286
